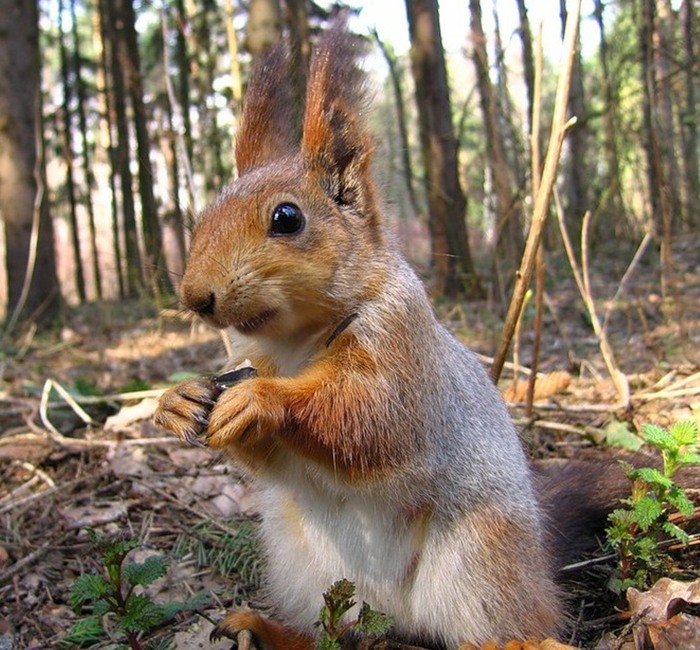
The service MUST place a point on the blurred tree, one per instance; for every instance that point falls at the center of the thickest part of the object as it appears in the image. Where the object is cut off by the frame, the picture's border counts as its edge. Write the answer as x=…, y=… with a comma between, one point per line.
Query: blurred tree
x=508, y=205
x=29, y=248
x=689, y=115
x=396, y=83
x=451, y=258
x=85, y=149
x=297, y=19
x=611, y=223
x=264, y=25
x=577, y=165
x=68, y=154
x=153, y=266
x=119, y=125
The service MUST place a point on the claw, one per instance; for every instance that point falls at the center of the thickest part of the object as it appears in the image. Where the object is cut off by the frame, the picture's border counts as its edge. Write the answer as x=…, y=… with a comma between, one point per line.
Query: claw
x=192, y=439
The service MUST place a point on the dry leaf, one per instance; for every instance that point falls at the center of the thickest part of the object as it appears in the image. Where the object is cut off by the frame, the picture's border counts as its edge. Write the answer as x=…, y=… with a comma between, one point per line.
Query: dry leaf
x=661, y=624
x=664, y=600
x=545, y=386
x=681, y=631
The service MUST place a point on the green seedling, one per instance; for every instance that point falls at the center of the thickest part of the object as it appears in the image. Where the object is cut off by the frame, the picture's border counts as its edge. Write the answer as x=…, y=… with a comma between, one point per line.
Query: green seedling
x=637, y=528
x=338, y=601
x=116, y=592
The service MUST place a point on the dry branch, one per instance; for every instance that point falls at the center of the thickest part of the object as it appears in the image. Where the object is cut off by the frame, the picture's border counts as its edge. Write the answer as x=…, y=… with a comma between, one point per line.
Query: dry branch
x=560, y=126
x=582, y=278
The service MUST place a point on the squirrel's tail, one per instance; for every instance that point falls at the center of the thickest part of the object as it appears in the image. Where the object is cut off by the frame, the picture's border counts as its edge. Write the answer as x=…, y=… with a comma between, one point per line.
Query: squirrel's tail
x=577, y=495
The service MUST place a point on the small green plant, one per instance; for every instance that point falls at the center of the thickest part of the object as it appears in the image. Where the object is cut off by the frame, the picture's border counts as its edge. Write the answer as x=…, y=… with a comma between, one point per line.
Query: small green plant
x=115, y=592
x=636, y=529
x=338, y=601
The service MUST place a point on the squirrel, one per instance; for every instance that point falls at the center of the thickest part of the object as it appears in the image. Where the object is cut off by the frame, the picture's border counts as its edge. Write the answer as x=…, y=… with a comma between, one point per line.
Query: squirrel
x=383, y=451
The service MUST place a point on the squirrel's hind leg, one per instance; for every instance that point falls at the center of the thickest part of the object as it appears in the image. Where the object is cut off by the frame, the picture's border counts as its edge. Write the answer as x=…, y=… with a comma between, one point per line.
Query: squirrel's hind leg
x=268, y=634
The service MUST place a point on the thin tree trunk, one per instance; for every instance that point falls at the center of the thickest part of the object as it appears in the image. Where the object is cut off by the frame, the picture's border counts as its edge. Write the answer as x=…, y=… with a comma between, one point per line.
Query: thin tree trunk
x=31, y=264
x=117, y=102
x=578, y=174
x=689, y=122
x=85, y=155
x=67, y=137
x=660, y=217
x=232, y=41
x=264, y=26
x=395, y=76
x=107, y=121
x=131, y=65
x=452, y=261
x=665, y=52
x=528, y=59
x=612, y=226
x=509, y=238
x=214, y=172
x=183, y=67
x=300, y=40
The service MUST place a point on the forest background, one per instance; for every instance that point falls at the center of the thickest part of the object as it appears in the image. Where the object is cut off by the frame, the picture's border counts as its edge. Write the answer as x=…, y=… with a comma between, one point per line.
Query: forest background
x=117, y=123
x=123, y=113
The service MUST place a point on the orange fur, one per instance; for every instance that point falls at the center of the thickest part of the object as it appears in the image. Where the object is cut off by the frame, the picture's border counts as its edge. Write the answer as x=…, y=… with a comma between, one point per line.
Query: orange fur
x=268, y=634
x=385, y=453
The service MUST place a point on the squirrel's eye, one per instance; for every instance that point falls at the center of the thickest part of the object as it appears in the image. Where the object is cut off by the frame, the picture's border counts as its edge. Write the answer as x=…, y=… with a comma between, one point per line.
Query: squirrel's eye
x=287, y=219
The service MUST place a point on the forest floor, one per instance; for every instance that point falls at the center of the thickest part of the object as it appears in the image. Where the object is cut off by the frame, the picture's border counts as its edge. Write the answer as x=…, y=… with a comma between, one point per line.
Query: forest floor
x=119, y=474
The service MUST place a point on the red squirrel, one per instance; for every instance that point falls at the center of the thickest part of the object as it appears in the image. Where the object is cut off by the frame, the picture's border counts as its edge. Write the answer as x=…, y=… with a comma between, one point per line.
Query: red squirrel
x=384, y=453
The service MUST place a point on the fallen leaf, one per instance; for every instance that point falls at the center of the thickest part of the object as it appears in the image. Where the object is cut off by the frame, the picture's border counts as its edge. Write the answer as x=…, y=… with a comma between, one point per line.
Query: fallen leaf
x=664, y=600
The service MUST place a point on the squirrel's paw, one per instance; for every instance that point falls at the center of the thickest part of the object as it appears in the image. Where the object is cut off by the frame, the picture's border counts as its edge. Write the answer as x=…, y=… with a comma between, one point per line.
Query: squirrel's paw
x=265, y=631
x=245, y=413
x=184, y=409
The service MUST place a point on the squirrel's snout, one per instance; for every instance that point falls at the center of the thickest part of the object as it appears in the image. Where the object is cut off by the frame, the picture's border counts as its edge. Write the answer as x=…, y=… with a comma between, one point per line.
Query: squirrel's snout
x=202, y=300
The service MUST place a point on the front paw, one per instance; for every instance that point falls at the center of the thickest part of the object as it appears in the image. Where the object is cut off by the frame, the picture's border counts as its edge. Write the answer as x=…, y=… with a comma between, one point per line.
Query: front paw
x=245, y=414
x=184, y=409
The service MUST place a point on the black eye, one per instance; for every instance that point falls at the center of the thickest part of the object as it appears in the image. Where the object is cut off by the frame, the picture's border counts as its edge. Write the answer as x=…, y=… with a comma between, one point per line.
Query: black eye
x=287, y=219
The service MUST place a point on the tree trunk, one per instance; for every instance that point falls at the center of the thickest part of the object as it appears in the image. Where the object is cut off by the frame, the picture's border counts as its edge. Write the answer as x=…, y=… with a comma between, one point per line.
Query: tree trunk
x=106, y=168
x=85, y=155
x=665, y=53
x=264, y=25
x=509, y=237
x=577, y=168
x=210, y=153
x=660, y=217
x=131, y=65
x=395, y=76
x=689, y=121
x=613, y=225
x=300, y=40
x=122, y=155
x=67, y=137
x=183, y=90
x=232, y=41
x=22, y=202
x=528, y=59
x=451, y=257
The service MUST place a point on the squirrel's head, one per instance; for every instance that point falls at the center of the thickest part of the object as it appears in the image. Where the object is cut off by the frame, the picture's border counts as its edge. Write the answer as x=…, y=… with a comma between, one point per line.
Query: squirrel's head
x=288, y=246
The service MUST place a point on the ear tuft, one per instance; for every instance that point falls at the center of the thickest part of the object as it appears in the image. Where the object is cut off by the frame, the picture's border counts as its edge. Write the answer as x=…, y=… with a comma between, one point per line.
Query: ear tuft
x=336, y=143
x=266, y=131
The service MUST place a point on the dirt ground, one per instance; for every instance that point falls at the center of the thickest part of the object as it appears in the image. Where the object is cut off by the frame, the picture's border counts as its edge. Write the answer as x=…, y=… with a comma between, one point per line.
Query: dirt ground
x=78, y=449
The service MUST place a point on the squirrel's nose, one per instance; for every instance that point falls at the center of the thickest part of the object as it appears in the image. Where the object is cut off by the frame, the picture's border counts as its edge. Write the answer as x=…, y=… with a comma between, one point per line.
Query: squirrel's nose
x=202, y=304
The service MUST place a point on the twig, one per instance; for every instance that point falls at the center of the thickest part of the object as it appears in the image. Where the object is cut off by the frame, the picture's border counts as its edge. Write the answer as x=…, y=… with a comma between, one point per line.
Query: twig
x=26, y=560
x=560, y=125
x=489, y=360
x=625, y=278
x=539, y=258
x=582, y=278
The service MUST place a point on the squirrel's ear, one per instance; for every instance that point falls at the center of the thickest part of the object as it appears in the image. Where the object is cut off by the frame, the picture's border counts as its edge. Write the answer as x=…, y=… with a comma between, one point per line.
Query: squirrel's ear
x=266, y=131
x=336, y=144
